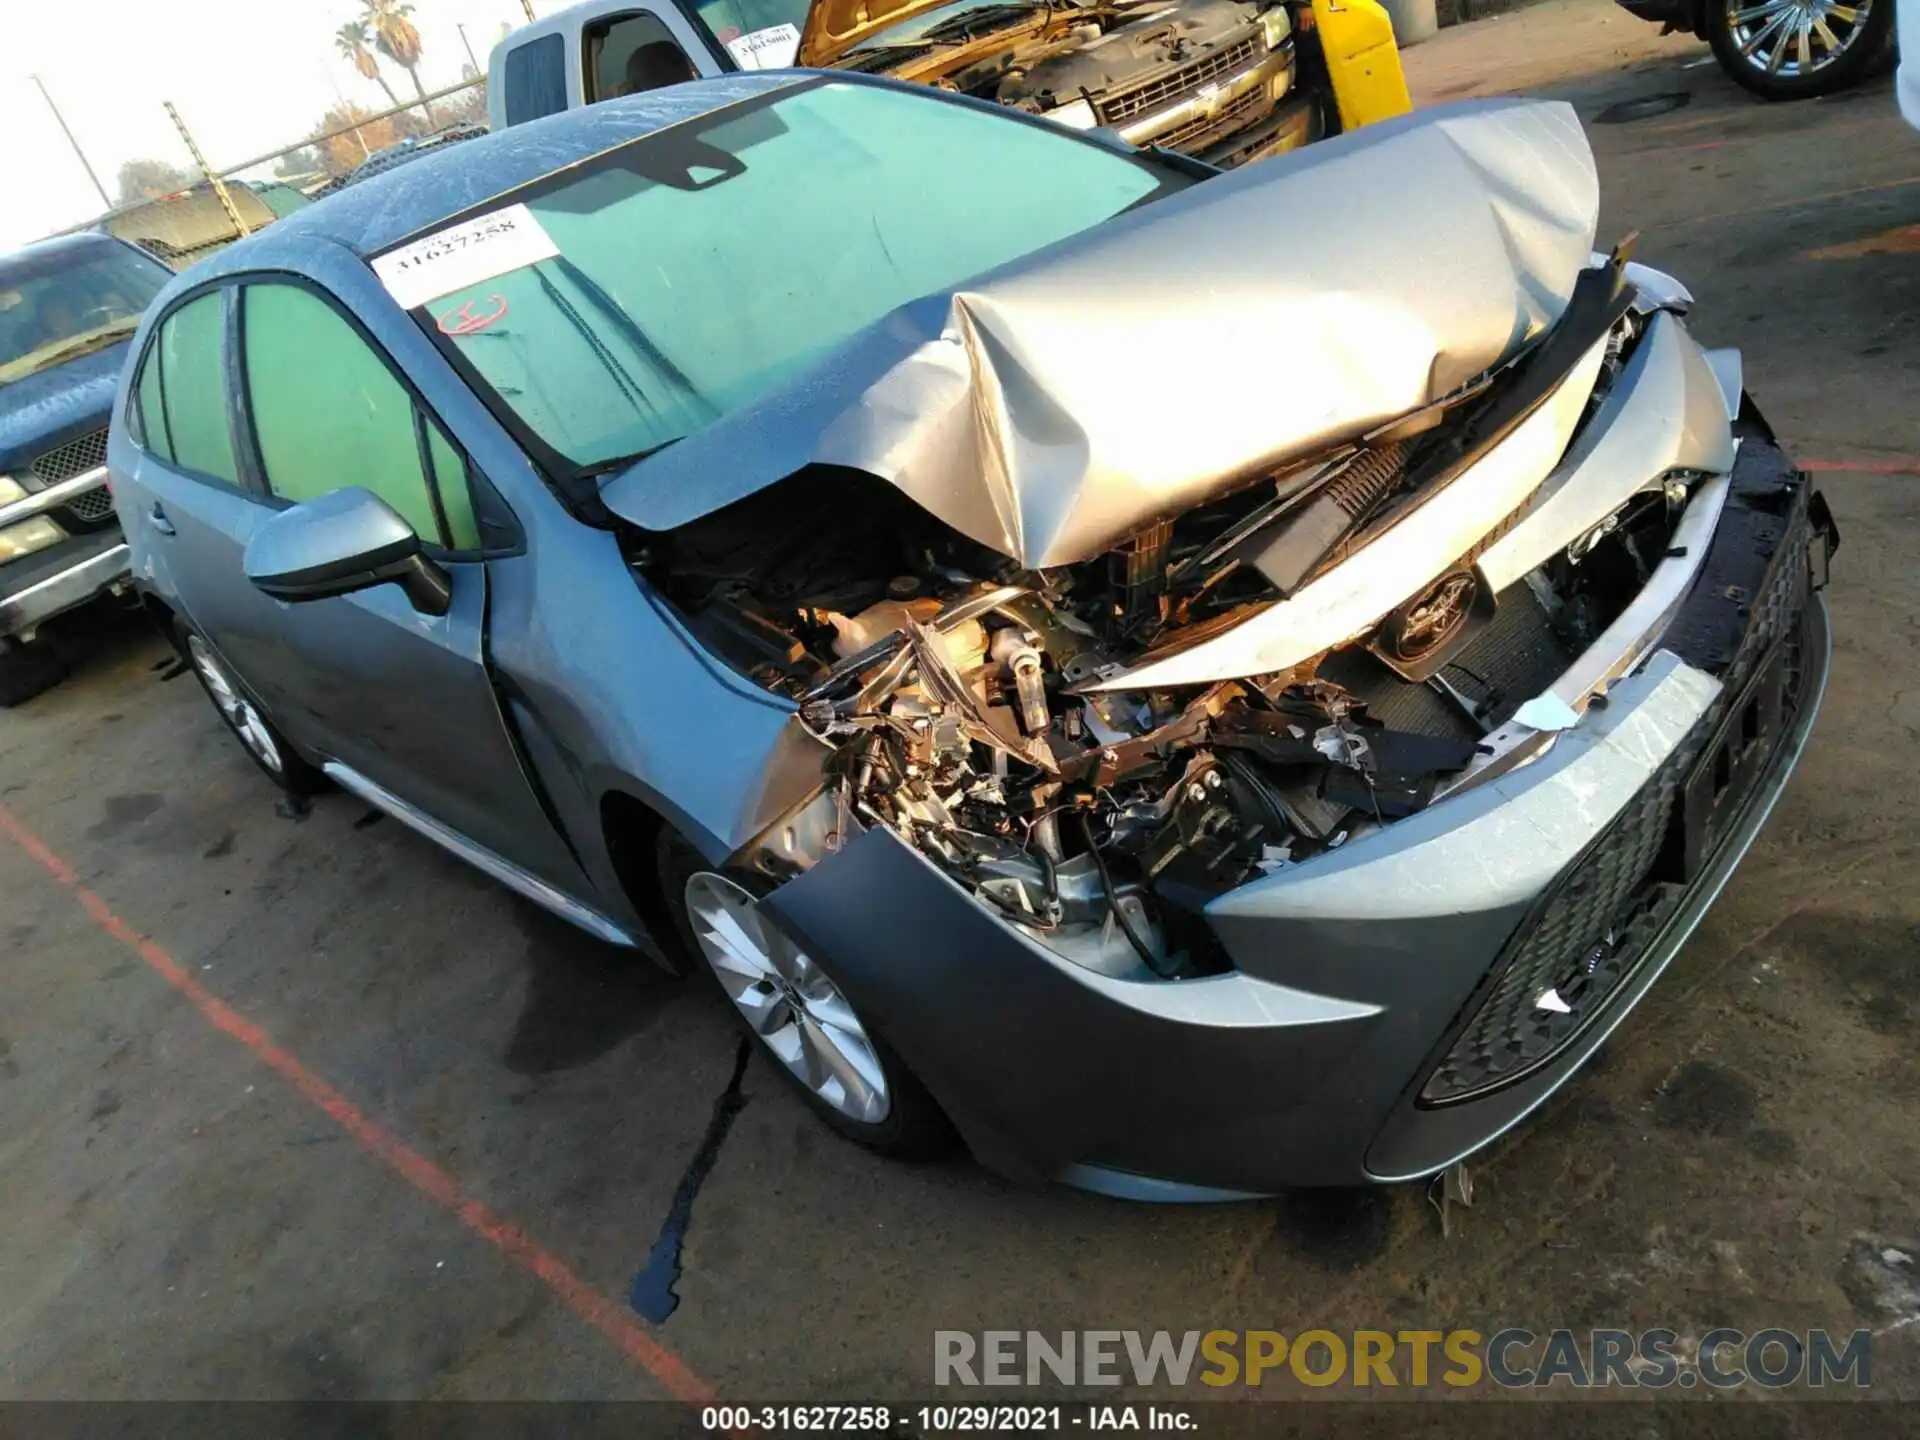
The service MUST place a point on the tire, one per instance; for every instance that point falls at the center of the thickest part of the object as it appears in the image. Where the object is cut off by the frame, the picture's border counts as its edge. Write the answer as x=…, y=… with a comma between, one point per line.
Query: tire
x=1864, y=45
x=911, y=1125
x=27, y=670
x=258, y=736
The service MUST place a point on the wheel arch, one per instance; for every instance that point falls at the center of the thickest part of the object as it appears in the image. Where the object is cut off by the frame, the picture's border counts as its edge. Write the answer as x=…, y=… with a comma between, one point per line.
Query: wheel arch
x=630, y=831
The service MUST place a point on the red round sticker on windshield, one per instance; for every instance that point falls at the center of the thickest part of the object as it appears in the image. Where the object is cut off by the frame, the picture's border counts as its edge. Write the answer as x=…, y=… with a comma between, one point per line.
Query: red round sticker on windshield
x=472, y=317
x=729, y=33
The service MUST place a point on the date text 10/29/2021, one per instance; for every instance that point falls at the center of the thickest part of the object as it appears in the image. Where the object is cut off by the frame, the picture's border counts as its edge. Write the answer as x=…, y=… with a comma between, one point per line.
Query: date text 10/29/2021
x=929, y=1419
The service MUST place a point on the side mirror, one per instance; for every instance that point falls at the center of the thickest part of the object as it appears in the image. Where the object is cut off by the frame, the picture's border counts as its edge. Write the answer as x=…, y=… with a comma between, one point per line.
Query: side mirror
x=345, y=541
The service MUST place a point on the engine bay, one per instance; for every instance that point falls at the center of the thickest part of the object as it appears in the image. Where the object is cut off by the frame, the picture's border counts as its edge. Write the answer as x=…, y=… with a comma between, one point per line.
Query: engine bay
x=962, y=698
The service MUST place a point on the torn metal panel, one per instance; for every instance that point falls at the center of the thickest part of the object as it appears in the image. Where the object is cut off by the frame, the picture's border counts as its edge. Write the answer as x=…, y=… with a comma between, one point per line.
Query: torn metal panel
x=1664, y=414
x=1053, y=407
x=1505, y=840
x=1352, y=596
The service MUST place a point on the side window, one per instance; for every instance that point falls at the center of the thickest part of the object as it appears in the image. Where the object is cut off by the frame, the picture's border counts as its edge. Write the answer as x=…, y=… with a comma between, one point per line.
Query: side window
x=192, y=390
x=631, y=53
x=152, y=413
x=450, y=476
x=536, y=79
x=327, y=412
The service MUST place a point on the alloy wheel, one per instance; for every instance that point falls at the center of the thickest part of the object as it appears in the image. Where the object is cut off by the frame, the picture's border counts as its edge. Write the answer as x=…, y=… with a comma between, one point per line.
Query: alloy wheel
x=1794, y=39
x=788, y=1001
x=247, y=722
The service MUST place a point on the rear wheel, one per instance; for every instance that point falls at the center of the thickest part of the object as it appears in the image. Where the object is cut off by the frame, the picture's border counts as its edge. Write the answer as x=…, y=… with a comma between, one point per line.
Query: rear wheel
x=27, y=669
x=1796, y=49
x=797, y=1015
x=264, y=743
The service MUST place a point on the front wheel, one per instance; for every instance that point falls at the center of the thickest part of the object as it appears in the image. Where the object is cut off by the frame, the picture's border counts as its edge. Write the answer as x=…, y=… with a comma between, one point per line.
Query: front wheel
x=1796, y=49
x=842, y=1069
x=258, y=736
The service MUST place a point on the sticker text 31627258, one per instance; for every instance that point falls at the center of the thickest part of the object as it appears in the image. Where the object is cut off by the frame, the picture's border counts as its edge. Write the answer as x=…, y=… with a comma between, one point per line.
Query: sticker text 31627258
x=509, y=238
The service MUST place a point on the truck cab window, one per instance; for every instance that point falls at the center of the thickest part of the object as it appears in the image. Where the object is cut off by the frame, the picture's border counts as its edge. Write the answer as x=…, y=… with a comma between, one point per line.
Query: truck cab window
x=536, y=79
x=631, y=53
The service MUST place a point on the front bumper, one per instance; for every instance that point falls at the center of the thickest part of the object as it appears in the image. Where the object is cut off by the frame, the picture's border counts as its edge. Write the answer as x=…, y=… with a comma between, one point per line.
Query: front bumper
x=1383, y=1018
x=40, y=586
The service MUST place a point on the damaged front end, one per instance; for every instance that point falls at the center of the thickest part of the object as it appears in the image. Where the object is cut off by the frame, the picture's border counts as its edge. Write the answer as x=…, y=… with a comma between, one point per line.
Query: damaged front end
x=1098, y=750
x=1372, y=740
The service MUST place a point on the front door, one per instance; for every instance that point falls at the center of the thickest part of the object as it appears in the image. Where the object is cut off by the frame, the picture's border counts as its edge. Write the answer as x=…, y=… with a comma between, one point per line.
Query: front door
x=402, y=698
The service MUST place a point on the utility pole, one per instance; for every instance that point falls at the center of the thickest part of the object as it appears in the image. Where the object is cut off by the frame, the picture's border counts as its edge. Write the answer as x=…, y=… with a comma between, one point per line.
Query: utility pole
x=469, y=47
x=78, y=153
x=527, y=5
x=219, y=185
x=346, y=109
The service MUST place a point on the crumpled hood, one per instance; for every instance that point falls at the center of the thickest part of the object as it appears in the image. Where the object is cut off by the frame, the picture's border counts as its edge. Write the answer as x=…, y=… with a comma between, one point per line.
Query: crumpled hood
x=42, y=410
x=1054, y=406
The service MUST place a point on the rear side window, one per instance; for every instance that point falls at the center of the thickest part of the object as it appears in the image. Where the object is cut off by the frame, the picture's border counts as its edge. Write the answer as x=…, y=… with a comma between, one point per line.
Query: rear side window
x=536, y=79
x=191, y=389
x=153, y=414
x=327, y=413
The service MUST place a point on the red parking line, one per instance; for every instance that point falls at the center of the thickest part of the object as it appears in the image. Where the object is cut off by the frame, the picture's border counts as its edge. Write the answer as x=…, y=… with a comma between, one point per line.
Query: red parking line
x=609, y=1318
x=1863, y=467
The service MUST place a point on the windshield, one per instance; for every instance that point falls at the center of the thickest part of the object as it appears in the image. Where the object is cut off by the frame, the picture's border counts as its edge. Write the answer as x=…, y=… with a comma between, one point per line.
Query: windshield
x=689, y=273
x=962, y=20
x=62, y=305
x=759, y=34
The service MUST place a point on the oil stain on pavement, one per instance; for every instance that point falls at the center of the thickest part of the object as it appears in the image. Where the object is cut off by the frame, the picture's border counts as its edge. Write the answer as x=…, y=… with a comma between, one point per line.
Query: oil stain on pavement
x=652, y=1296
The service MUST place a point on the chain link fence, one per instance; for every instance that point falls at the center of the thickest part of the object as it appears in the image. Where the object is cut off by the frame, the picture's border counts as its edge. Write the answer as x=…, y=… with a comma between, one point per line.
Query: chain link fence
x=222, y=206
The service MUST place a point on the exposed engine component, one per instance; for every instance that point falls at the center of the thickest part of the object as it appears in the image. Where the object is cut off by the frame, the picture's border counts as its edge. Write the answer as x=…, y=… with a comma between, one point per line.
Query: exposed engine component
x=952, y=685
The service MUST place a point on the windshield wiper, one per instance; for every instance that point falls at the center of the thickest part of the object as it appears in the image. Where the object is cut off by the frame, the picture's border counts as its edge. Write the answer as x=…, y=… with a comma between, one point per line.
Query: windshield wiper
x=74, y=348
x=595, y=469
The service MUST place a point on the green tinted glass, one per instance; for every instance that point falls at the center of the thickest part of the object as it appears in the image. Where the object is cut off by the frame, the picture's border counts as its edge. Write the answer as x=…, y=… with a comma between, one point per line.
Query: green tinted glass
x=667, y=305
x=450, y=475
x=196, y=408
x=153, y=415
x=327, y=411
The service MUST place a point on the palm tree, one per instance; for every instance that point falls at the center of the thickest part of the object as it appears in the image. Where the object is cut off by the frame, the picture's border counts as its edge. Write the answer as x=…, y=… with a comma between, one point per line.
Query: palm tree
x=395, y=37
x=352, y=40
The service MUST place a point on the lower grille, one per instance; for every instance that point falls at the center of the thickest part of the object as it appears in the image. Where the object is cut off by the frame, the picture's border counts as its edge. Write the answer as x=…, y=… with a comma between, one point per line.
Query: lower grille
x=1170, y=87
x=91, y=506
x=76, y=457
x=1596, y=925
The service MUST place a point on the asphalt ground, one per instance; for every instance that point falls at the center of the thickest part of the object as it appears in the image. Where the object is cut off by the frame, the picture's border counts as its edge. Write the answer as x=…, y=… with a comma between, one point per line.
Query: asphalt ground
x=302, y=1108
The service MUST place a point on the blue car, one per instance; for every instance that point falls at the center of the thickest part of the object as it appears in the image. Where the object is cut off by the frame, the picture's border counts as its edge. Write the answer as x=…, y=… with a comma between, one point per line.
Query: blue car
x=68, y=307
x=1121, y=662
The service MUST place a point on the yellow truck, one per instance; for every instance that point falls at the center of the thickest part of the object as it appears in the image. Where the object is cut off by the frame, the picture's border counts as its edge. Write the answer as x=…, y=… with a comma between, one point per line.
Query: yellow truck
x=1226, y=81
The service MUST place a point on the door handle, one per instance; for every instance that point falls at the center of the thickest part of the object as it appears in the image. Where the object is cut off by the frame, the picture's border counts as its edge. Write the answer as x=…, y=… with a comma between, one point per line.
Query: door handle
x=158, y=518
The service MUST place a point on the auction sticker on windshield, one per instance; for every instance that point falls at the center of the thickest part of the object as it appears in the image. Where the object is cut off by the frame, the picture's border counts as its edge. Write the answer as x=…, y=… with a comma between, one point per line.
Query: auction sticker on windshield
x=769, y=49
x=465, y=254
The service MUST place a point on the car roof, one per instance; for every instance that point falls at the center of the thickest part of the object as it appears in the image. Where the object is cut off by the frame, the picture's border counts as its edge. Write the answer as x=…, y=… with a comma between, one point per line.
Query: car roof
x=372, y=214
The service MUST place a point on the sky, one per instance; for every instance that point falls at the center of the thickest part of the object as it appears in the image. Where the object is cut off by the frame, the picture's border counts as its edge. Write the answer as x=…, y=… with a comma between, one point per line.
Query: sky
x=247, y=76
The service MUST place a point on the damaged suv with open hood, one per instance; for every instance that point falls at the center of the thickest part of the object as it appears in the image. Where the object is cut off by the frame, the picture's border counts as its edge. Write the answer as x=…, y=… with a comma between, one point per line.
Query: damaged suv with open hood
x=1181, y=678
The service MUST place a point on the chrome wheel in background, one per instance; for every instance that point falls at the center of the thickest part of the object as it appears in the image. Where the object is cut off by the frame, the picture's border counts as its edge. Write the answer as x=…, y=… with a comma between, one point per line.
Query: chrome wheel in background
x=788, y=1002
x=235, y=708
x=1795, y=38
x=1794, y=49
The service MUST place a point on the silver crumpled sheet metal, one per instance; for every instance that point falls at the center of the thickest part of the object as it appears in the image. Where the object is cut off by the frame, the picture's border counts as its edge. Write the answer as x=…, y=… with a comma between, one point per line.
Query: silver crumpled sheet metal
x=1053, y=406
